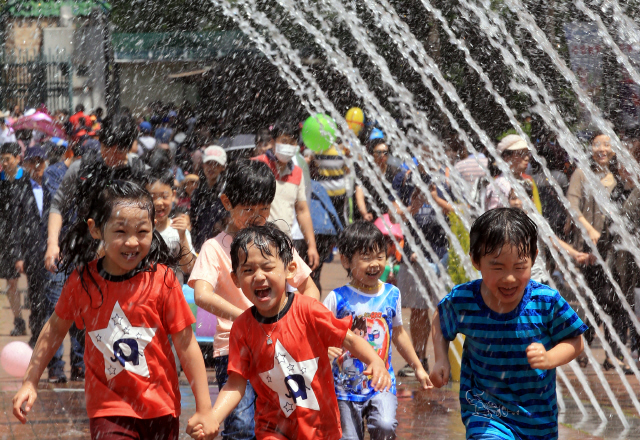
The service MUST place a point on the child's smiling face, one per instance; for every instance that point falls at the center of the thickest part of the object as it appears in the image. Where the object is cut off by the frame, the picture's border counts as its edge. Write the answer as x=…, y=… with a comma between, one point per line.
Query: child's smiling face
x=505, y=274
x=127, y=237
x=366, y=267
x=263, y=278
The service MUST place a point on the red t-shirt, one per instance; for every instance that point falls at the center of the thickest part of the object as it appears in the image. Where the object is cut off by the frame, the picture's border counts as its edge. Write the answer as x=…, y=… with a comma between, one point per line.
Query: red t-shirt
x=129, y=365
x=292, y=376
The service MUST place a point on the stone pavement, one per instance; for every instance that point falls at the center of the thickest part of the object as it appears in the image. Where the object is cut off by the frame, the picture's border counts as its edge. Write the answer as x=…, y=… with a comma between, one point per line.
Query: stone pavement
x=59, y=412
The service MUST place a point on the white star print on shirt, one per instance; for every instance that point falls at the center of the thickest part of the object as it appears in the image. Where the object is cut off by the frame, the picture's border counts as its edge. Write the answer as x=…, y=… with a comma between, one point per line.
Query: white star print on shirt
x=291, y=380
x=120, y=348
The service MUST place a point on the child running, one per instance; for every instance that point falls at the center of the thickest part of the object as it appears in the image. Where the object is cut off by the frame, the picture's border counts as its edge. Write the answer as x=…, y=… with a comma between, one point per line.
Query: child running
x=129, y=302
x=377, y=318
x=249, y=190
x=517, y=332
x=280, y=345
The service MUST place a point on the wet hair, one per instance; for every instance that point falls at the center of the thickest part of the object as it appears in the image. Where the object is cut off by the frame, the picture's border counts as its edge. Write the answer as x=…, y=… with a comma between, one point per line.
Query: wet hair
x=503, y=226
x=595, y=134
x=78, y=247
x=249, y=182
x=164, y=177
x=361, y=236
x=119, y=132
x=12, y=148
x=263, y=238
x=79, y=108
x=285, y=128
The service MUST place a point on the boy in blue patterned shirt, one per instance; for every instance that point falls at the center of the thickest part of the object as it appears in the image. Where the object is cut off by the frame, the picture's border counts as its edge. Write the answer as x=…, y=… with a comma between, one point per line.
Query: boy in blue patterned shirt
x=517, y=332
x=377, y=318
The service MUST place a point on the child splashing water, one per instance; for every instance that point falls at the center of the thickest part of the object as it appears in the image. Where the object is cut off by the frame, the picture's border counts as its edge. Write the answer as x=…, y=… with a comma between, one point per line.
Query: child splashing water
x=129, y=302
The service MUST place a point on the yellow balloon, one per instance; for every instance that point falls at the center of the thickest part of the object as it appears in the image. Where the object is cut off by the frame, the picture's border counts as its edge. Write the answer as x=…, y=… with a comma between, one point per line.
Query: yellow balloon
x=355, y=119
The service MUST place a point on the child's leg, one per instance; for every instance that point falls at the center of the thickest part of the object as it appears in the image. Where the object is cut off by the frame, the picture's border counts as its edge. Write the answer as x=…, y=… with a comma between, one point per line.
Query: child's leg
x=381, y=416
x=351, y=420
x=130, y=428
x=240, y=424
x=420, y=326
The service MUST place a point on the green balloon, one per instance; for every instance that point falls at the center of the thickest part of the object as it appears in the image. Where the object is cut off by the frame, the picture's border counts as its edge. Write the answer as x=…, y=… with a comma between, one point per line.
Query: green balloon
x=319, y=132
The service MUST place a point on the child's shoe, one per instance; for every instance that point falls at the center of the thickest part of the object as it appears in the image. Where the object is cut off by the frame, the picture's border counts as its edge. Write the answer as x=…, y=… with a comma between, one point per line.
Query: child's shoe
x=406, y=371
x=19, y=327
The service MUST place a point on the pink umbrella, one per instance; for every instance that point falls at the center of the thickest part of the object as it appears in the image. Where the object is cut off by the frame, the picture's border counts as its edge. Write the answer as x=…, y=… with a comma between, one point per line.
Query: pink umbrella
x=41, y=122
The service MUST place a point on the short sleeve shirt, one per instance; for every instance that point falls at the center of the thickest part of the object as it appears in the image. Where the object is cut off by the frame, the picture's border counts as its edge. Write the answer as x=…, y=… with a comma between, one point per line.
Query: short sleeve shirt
x=499, y=392
x=290, y=189
x=291, y=376
x=130, y=368
x=374, y=317
x=213, y=265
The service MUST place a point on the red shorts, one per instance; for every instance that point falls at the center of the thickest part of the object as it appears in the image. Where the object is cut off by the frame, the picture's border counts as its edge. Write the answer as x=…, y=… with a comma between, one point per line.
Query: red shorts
x=130, y=428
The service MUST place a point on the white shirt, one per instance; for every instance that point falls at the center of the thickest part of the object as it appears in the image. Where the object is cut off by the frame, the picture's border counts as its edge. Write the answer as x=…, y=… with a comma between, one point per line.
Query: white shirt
x=37, y=192
x=172, y=239
x=7, y=135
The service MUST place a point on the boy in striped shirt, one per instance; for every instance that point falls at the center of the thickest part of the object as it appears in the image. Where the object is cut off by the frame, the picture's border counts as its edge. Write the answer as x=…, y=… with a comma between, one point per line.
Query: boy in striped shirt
x=517, y=332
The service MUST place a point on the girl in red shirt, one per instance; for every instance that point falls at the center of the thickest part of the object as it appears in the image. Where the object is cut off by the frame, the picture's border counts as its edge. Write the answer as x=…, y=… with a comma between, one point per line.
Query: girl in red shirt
x=129, y=302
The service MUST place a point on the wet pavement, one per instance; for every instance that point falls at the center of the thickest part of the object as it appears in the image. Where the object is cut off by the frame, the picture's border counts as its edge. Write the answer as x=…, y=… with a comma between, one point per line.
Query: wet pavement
x=59, y=412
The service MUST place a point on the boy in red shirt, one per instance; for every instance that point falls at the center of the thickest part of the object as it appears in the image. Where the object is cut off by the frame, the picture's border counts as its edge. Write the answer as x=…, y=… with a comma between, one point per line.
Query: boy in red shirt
x=280, y=345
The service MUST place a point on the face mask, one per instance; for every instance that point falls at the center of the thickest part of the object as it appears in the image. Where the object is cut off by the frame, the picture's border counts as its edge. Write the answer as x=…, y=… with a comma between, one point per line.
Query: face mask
x=284, y=152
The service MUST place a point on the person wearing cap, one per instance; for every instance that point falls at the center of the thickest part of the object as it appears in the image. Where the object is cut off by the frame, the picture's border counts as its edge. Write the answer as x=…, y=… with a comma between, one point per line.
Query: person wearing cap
x=515, y=152
x=33, y=204
x=206, y=208
x=146, y=140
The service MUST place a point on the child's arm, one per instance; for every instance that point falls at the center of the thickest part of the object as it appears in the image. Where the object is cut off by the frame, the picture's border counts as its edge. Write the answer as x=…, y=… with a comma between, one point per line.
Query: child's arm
x=402, y=341
x=229, y=397
x=442, y=369
x=50, y=339
x=193, y=365
x=380, y=378
x=207, y=299
x=309, y=288
x=563, y=353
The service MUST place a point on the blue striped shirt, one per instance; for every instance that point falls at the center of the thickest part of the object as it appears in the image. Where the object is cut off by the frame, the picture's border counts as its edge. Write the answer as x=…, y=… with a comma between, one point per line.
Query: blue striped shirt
x=500, y=393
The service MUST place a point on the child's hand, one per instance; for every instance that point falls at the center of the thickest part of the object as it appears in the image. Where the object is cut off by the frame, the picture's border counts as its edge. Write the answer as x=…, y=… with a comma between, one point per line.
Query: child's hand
x=440, y=374
x=335, y=352
x=380, y=378
x=537, y=357
x=203, y=425
x=20, y=266
x=180, y=224
x=27, y=393
x=423, y=378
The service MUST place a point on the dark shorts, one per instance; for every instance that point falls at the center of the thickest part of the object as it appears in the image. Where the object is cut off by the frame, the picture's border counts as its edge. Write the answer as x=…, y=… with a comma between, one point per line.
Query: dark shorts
x=130, y=428
x=8, y=267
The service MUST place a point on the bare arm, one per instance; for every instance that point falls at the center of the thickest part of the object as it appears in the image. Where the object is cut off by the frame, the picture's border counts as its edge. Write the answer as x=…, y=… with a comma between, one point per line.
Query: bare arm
x=563, y=353
x=442, y=368
x=309, y=288
x=193, y=365
x=228, y=398
x=53, y=248
x=206, y=299
x=380, y=378
x=361, y=205
x=306, y=226
x=50, y=339
x=403, y=344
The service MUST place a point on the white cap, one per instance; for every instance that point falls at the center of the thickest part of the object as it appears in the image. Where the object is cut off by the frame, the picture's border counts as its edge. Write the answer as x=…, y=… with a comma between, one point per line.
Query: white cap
x=214, y=152
x=512, y=142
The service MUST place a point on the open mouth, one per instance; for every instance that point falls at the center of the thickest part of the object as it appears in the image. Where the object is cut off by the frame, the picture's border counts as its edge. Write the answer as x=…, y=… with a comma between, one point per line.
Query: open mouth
x=130, y=256
x=373, y=272
x=262, y=293
x=508, y=292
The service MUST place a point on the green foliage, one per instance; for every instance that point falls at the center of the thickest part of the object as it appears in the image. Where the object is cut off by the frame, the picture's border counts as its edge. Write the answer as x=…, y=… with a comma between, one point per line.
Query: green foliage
x=455, y=269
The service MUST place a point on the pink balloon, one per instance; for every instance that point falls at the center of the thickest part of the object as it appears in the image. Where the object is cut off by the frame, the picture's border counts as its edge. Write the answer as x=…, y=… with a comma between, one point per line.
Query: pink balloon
x=205, y=323
x=15, y=358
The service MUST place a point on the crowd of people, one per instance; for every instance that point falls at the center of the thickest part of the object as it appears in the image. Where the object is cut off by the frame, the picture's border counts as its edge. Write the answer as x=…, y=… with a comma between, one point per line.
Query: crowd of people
x=126, y=194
